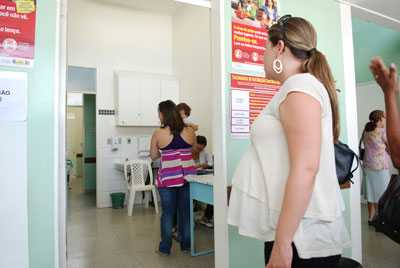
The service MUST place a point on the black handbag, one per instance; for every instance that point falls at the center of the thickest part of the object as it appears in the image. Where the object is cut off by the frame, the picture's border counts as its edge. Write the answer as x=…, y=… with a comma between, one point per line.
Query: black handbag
x=388, y=218
x=344, y=158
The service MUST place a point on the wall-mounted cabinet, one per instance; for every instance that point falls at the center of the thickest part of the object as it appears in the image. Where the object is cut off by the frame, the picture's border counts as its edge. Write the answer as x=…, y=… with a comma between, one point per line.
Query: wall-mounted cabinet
x=137, y=97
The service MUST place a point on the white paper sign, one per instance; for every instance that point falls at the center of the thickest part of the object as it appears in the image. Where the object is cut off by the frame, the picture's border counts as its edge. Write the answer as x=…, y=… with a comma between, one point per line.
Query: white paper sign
x=241, y=114
x=241, y=129
x=240, y=100
x=241, y=121
x=13, y=96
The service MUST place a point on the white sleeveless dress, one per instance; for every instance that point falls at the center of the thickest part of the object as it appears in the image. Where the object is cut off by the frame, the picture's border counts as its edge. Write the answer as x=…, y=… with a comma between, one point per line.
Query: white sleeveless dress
x=259, y=181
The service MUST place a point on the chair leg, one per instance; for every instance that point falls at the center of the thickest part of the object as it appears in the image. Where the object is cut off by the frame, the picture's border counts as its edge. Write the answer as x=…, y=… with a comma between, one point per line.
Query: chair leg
x=155, y=200
x=146, y=199
x=131, y=202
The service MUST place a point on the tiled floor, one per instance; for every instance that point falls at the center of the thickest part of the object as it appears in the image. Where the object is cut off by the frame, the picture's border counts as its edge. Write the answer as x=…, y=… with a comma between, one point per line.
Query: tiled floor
x=378, y=250
x=108, y=238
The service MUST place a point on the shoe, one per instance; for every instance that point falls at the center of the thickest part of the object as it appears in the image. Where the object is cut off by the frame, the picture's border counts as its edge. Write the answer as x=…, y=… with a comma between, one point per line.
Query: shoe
x=207, y=223
x=186, y=251
x=162, y=253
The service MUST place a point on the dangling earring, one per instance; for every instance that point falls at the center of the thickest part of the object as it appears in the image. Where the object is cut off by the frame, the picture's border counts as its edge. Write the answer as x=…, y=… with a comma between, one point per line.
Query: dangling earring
x=277, y=66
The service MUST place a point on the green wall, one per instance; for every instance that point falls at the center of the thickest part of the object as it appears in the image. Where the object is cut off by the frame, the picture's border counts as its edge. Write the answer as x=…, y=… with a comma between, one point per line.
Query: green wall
x=372, y=40
x=325, y=16
x=41, y=166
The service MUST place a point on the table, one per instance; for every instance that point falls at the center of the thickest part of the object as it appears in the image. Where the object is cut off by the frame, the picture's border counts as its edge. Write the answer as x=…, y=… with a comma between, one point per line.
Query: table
x=201, y=189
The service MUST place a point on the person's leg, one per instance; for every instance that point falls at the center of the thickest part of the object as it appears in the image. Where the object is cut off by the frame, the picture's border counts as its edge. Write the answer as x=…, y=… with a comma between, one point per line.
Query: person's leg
x=371, y=211
x=168, y=205
x=209, y=213
x=184, y=216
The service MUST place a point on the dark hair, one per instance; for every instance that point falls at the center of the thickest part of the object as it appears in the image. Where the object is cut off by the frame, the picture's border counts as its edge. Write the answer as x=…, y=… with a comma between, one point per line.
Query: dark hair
x=171, y=117
x=374, y=118
x=301, y=38
x=270, y=1
x=201, y=140
x=183, y=106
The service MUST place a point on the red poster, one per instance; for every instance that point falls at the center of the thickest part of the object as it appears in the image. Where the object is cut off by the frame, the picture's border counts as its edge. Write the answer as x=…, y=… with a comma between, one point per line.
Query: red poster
x=249, y=96
x=17, y=32
x=248, y=46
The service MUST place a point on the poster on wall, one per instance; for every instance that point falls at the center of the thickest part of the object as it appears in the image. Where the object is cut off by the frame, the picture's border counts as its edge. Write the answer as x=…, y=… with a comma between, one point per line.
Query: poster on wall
x=250, y=22
x=17, y=32
x=13, y=96
x=249, y=96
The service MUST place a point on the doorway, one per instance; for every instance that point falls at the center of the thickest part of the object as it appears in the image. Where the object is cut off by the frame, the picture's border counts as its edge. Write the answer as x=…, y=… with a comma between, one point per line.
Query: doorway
x=99, y=236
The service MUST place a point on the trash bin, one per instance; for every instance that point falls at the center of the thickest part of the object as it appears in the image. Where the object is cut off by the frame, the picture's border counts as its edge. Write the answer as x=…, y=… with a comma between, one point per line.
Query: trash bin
x=348, y=263
x=117, y=200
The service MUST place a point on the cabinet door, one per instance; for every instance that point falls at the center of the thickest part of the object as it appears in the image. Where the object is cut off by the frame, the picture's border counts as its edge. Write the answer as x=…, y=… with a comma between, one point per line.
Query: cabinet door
x=129, y=107
x=149, y=99
x=170, y=90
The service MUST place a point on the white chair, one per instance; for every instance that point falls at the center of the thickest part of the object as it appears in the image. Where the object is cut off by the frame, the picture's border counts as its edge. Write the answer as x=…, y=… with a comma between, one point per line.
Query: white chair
x=135, y=174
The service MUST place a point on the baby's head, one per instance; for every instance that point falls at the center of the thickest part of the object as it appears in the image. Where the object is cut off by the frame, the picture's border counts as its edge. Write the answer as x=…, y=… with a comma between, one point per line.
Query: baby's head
x=184, y=110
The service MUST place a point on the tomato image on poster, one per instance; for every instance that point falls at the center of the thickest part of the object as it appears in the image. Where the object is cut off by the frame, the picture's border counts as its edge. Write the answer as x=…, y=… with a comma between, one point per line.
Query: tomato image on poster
x=250, y=22
x=17, y=32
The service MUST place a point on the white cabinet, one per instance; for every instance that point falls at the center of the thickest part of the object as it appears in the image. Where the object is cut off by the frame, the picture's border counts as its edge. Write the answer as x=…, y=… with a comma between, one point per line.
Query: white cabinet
x=138, y=95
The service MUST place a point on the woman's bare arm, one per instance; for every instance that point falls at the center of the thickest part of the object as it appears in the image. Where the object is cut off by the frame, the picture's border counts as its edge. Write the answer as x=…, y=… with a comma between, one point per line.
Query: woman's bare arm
x=301, y=120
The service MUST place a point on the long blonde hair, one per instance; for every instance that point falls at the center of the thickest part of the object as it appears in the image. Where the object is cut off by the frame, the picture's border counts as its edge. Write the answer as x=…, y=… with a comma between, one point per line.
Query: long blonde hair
x=301, y=38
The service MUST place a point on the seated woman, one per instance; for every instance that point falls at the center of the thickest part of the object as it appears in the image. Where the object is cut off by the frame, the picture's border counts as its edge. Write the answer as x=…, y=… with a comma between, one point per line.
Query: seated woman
x=173, y=142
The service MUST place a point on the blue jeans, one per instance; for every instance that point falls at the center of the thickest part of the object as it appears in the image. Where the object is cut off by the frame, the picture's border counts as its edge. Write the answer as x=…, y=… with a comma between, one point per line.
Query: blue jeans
x=175, y=200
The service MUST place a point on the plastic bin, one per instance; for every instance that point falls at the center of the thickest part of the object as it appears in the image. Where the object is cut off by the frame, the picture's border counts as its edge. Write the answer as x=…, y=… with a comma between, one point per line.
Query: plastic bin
x=117, y=200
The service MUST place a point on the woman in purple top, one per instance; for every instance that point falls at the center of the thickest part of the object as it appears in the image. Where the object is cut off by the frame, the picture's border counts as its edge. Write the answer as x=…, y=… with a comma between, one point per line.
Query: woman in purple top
x=173, y=142
x=376, y=161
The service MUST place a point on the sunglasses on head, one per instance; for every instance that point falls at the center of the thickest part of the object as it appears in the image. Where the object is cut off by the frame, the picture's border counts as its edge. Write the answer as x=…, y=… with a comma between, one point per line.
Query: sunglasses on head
x=283, y=20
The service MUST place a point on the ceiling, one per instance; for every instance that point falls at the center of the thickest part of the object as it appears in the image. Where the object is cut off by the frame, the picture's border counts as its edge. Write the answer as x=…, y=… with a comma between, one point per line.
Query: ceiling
x=390, y=8
x=157, y=6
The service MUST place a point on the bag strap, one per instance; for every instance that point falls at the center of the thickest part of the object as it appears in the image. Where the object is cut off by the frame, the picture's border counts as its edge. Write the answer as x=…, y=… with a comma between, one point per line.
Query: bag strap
x=352, y=171
x=361, y=140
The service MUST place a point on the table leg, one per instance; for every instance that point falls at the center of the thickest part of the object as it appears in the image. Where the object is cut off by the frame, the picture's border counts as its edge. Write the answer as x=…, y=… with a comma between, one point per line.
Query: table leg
x=191, y=226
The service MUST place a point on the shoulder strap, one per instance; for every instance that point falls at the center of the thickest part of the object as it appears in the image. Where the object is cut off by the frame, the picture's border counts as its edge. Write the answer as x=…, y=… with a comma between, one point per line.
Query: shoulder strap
x=361, y=140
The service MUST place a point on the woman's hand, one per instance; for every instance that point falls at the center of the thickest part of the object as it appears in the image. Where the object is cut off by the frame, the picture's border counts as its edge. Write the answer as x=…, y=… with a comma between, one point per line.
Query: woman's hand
x=281, y=256
x=387, y=78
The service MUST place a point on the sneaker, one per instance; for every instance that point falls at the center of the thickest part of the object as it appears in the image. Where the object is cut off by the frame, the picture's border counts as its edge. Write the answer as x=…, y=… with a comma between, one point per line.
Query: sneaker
x=207, y=223
x=186, y=251
x=210, y=224
x=162, y=253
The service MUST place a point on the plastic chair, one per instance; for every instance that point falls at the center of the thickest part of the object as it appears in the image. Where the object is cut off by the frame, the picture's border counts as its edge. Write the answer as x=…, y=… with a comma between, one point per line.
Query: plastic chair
x=135, y=174
x=348, y=263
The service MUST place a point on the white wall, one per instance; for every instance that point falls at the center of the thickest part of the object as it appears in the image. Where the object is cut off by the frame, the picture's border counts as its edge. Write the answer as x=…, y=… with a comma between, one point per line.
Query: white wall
x=192, y=63
x=111, y=38
x=14, y=195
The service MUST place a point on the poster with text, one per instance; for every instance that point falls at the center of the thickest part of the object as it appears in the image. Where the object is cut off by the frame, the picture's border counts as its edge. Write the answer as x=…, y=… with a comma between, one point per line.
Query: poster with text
x=17, y=32
x=250, y=22
x=249, y=96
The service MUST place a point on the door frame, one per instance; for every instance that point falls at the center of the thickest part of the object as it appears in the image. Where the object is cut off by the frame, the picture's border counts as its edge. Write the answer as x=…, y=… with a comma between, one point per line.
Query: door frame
x=219, y=133
x=351, y=126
